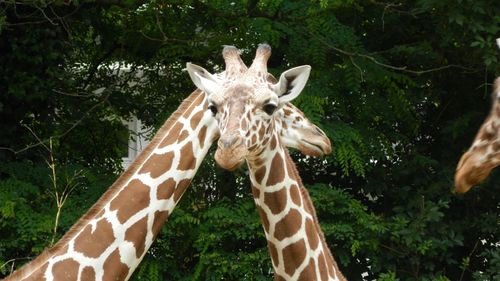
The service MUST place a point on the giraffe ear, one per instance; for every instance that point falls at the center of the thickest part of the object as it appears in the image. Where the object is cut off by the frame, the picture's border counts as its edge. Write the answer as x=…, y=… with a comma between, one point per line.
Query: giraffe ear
x=203, y=79
x=291, y=83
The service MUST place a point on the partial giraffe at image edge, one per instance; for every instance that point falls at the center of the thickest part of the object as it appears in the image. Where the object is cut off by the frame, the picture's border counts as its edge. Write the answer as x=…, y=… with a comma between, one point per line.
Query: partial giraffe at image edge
x=483, y=155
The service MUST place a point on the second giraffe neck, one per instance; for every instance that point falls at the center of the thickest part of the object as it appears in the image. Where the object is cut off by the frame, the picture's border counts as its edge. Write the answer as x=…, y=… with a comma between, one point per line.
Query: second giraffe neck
x=295, y=241
x=111, y=239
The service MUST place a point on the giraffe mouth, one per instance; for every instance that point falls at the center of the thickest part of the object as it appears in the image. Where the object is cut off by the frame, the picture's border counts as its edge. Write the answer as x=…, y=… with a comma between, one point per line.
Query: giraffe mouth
x=229, y=165
x=470, y=172
x=229, y=159
x=234, y=166
x=315, y=148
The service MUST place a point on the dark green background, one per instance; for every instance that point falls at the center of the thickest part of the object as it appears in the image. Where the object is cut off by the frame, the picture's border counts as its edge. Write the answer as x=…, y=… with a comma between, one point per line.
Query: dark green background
x=400, y=87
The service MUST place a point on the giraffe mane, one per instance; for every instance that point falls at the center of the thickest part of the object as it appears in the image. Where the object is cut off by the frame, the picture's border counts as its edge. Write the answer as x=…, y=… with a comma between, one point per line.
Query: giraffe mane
x=39, y=261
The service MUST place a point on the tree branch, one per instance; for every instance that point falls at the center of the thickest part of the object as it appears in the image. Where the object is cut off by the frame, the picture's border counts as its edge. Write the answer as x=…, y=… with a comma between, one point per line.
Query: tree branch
x=46, y=141
x=377, y=62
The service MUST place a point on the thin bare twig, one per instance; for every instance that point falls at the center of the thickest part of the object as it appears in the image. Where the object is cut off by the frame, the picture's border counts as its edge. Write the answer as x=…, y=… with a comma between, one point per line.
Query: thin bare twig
x=60, y=198
x=359, y=68
x=46, y=141
x=468, y=257
x=392, y=6
x=393, y=249
x=13, y=262
x=87, y=95
x=62, y=21
x=398, y=68
x=36, y=136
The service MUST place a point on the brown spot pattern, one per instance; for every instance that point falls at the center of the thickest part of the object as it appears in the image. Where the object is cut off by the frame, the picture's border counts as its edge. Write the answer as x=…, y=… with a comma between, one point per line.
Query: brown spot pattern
x=181, y=187
x=137, y=235
x=288, y=225
x=196, y=119
x=88, y=274
x=293, y=255
x=158, y=164
x=307, y=200
x=114, y=269
x=65, y=270
x=255, y=192
x=92, y=244
x=172, y=136
x=295, y=195
x=277, y=174
x=202, y=135
x=262, y=131
x=276, y=201
x=187, y=160
x=243, y=124
x=265, y=220
x=329, y=260
x=159, y=220
x=273, y=143
x=322, y=267
x=260, y=173
x=165, y=189
x=268, y=129
x=312, y=234
x=183, y=135
x=309, y=272
x=133, y=198
x=274, y=253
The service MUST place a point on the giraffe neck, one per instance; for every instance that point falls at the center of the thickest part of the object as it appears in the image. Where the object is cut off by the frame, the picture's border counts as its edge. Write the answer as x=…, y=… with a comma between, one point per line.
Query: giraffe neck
x=110, y=240
x=295, y=241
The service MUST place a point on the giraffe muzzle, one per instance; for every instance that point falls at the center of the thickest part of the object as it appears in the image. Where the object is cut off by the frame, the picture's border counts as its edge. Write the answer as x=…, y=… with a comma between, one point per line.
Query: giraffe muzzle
x=231, y=152
x=314, y=142
x=470, y=173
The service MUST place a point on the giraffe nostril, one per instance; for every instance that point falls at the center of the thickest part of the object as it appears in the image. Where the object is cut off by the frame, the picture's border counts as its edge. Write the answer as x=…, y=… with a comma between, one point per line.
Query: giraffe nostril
x=230, y=141
x=320, y=132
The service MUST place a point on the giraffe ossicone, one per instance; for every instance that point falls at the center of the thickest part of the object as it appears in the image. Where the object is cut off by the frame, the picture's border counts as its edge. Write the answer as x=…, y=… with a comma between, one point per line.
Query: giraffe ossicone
x=246, y=105
x=483, y=156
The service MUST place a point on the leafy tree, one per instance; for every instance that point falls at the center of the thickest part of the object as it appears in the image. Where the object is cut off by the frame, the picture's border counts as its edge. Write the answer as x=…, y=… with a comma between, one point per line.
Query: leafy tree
x=399, y=87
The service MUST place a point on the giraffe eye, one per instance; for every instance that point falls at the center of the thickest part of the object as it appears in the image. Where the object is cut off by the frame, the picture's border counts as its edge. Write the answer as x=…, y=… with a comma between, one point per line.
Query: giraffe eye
x=213, y=108
x=269, y=108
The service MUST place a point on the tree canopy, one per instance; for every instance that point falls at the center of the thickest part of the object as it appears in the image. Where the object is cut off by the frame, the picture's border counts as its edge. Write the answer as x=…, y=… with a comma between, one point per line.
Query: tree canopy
x=400, y=87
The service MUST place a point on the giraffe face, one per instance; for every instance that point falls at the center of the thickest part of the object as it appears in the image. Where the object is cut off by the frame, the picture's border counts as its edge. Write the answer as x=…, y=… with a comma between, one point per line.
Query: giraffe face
x=484, y=154
x=298, y=132
x=246, y=117
x=246, y=105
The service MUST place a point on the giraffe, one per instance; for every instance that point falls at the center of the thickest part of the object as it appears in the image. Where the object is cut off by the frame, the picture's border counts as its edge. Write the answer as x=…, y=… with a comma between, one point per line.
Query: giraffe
x=245, y=105
x=484, y=154
x=110, y=240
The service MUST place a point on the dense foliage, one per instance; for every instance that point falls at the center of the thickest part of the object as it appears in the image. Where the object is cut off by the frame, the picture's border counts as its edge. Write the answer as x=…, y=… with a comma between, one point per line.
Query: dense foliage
x=399, y=86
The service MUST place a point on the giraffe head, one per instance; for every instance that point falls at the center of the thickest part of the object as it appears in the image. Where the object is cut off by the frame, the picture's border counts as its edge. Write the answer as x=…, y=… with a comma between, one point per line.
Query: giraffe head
x=484, y=153
x=251, y=108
